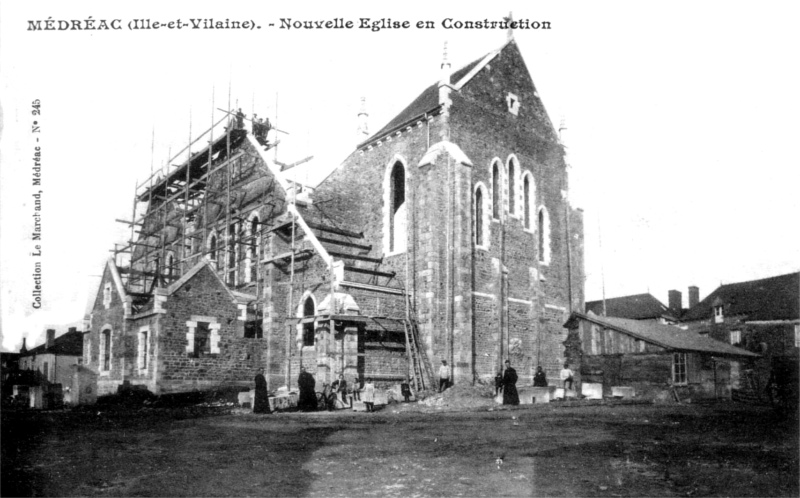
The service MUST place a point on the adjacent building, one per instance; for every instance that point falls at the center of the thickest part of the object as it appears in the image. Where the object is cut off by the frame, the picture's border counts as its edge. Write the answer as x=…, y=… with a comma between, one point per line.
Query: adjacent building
x=45, y=371
x=658, y=361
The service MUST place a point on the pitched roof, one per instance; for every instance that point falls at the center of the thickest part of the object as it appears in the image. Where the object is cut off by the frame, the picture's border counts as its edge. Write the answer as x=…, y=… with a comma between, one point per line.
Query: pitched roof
x=773, y=298
x=636, y=307
x=69, y=344
x=428, y=100
x=236, y=296
x=665, y=336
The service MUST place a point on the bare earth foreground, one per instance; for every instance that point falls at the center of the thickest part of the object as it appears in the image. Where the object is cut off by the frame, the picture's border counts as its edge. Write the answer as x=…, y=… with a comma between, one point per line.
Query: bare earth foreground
x=405, y=450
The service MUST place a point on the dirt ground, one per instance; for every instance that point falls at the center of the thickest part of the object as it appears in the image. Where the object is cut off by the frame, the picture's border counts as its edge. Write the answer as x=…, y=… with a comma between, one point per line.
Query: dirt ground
x=405, y=450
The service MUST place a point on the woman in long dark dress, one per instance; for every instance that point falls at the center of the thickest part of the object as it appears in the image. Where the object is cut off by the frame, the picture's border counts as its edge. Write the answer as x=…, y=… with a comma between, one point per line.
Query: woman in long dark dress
x=261, y=403
x=510, y=395
x=308, y=397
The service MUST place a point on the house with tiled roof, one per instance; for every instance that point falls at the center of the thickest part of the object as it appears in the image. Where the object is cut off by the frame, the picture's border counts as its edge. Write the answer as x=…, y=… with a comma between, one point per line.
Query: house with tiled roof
x=658, y=361
x=45, y=370
x=762, y=316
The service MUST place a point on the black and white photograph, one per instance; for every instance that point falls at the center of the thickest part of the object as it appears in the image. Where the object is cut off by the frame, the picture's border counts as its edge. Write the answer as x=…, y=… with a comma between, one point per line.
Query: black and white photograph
x=399, y=249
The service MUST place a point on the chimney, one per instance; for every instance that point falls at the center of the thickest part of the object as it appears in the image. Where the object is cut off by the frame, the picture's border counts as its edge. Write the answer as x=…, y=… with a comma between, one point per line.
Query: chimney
x=362, y=132
x=694, y=296
x=72, y=329
x=24, y=348
x=675, y=301
x=51, y=337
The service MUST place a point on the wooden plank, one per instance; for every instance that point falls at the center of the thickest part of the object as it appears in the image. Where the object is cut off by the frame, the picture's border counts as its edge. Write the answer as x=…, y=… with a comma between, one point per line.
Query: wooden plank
x=356, y=257
x=369, y=271
x=345, y=243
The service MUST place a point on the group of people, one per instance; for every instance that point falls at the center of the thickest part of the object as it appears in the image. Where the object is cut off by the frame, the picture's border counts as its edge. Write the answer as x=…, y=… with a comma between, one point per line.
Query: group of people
x=260, y=126
x=505, y=381
x=333, y=393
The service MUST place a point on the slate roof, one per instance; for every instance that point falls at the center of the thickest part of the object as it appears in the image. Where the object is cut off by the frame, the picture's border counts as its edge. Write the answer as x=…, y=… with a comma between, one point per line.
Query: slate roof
x=69, y=344
x=667, y=336
x=636, y=307
x=774, y=298
x=427, y=101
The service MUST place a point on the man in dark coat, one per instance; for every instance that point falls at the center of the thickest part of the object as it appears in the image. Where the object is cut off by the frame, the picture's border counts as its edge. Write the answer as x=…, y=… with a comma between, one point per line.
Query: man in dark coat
x=308, y=396
x=240, y=119
x=261, y=401
x=510, y=396
x=539, y=378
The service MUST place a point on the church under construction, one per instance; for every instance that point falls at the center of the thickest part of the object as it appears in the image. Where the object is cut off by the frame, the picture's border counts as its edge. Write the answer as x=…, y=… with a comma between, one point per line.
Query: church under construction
x=446, y=235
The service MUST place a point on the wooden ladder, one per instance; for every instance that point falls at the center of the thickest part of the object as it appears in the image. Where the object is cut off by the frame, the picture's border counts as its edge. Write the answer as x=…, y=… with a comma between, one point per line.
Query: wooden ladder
x=420, y=366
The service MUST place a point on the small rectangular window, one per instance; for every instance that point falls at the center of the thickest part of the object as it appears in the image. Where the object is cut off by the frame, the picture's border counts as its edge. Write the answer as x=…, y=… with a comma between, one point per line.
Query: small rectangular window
x=308, y=334
x=679, y=368
x=201, y=342
x=253, y=329
x=797, y=336
x=736, y=337
x=718, y=316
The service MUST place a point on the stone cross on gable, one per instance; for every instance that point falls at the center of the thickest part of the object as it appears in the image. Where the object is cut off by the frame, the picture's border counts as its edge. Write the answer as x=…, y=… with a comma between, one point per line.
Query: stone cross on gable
x=510, y=32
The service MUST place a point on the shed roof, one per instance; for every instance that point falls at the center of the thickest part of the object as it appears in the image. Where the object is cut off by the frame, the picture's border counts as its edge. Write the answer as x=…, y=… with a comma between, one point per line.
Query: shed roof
x=636, y=307
x=666, y=336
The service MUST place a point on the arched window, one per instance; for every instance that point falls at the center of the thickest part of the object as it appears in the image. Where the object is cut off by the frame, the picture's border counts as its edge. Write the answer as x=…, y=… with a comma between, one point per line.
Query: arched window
x=170, y=266
x=544, y=236
x=212, y=247
x=480, y=217
x=253, y=248
x=398, y=199
x=526, y=198
x=496, y=190
x=512, y=175
x=394, y=211
x=528, y=201
x=105, y=350
x=232, y=253
x=309, y=309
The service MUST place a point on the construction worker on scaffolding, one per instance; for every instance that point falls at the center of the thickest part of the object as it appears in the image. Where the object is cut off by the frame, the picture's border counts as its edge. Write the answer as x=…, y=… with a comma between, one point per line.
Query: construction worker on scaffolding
x=240, y=119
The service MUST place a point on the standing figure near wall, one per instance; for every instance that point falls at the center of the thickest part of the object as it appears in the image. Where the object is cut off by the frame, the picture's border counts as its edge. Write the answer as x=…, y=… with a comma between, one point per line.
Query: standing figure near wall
x=261, y=401
x=369, y=395
x=510, y=395
x=308, y=398
x=539, y=378
x=498, y=382
x=444, y=376
x=566, y=376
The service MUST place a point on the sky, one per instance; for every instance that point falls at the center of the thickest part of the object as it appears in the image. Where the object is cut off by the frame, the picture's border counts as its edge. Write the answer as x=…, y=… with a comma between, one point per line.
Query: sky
x=681, y=124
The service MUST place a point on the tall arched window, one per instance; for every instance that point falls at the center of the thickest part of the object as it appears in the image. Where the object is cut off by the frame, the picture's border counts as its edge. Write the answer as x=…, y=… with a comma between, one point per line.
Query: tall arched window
x=544, y=236
x=541, y=235
x=212, y=248
x=170, y=266
x=496, y=190
x=478, y=217
x=309, y=309
x=395, y=198
x=253, y=248
x=512, y=175
x=232, y=246
x=526, y=199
